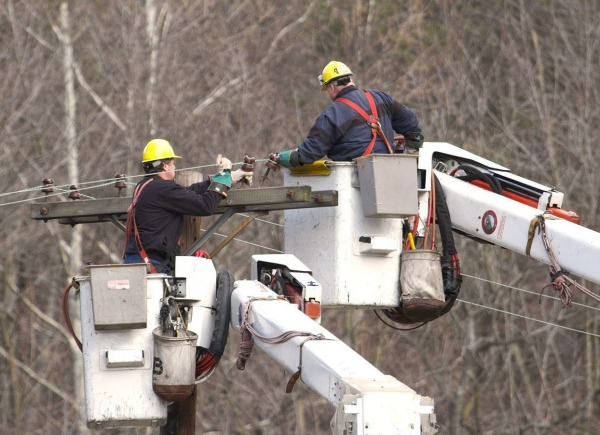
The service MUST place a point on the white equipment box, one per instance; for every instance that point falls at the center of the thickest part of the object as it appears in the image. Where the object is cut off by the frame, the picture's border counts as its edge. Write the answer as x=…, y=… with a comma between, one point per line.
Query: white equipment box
x=120, y=307
x=118, y=363
x=388, y=185
x=356, y=259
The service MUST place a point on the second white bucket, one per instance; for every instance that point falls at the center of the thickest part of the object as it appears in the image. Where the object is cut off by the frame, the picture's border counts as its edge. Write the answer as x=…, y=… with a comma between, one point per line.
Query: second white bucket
x=174, y=372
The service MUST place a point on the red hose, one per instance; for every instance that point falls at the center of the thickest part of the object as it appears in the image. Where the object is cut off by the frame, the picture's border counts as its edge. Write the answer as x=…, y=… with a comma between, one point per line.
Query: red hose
x=67, y=316
x=433, y=210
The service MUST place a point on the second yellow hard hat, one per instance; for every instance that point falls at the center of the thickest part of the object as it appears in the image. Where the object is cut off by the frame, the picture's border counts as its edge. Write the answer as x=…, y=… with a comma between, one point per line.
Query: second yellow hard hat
x=333, y=70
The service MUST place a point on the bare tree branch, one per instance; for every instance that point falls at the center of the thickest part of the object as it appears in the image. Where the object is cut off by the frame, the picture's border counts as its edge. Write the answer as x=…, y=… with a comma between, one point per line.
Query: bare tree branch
x=38, y=378
x=111, y=113
x=232, y=85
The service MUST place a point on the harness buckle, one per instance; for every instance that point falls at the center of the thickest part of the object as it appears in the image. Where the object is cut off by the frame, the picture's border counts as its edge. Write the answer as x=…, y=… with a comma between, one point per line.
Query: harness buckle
x=374, y=123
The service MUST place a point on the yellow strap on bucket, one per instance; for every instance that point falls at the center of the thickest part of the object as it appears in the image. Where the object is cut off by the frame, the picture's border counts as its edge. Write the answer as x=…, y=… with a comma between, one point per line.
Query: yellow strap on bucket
x=318, y=168
x=411, y=241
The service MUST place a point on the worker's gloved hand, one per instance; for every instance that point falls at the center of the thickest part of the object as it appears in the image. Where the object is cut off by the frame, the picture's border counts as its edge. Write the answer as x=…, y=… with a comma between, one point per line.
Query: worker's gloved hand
x=240, y=175
x=223, y=163
x=221, y=182
x=273, y=162
x=287, y=159
x=414, y=139
x=244, y=174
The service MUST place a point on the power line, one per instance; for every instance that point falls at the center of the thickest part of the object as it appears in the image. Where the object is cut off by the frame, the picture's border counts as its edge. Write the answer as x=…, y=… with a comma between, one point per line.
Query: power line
x=62, y=192
x=261, y=220
x=105, y=182
x=249, y=243
x=529, y=318
x=473, y=303
x=528, y=291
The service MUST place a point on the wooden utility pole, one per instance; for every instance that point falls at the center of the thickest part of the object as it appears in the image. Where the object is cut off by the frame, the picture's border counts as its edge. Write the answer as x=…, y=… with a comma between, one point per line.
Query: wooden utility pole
x=181, y=417
x=191, y=224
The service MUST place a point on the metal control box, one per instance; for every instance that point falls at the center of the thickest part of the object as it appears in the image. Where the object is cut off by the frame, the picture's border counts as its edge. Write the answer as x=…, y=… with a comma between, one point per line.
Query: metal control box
x=118, y=363
x=356, y=259
x=118, y=360
x=388, y=185
x=119, y=296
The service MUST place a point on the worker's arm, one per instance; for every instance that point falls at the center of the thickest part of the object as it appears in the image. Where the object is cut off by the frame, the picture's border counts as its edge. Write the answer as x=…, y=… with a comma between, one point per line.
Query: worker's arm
x=405, y=122
x=196, y=200
x=287, y=159
x=317, y=144
x=321, y=137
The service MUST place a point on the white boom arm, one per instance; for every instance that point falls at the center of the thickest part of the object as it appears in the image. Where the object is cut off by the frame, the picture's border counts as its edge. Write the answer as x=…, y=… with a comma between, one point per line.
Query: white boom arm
x=367, y=401
x=505, y=222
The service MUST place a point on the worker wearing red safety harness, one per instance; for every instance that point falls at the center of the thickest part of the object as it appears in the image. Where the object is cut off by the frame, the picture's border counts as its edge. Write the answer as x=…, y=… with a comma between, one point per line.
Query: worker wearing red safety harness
x=357, y=123
x=155, y=216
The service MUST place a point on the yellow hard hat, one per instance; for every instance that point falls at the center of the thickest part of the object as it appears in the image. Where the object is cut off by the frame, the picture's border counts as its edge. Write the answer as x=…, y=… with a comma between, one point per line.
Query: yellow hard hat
x=158, y=149
x=333, y=70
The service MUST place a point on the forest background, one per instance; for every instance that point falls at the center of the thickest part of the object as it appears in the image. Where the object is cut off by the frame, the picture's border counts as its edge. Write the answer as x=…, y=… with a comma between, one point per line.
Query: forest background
x=85, y=84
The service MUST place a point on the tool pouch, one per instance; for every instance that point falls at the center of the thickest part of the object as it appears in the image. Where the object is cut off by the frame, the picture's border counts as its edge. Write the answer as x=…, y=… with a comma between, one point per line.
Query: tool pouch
x=421, y=285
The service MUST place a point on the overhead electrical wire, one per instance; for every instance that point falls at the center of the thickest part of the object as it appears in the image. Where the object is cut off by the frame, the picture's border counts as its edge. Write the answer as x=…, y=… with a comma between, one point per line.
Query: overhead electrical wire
x=462, y=273
x=261, y=220
x=62, y=192
x=250, y=243
x=103, y=183
x=529, y=318
x=529, y=291
x=484, y=306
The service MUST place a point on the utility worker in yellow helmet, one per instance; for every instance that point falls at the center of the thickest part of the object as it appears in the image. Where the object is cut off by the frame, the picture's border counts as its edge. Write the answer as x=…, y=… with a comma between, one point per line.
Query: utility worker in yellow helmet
x=357, y=123
x=155, y=216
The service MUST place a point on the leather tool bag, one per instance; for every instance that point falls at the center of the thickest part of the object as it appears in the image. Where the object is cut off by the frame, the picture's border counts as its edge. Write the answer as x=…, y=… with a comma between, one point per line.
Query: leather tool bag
x=421, y=284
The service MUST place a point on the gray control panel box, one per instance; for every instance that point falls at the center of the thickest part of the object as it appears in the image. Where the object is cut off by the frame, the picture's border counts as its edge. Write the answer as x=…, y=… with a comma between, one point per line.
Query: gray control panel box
x=388, y=185
x=119, y=296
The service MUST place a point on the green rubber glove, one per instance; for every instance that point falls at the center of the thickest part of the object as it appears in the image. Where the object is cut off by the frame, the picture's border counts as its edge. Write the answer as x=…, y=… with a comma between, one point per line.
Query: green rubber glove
x=287, y=159
x=414, y=140
x=222, y=177
x=284, y=159
x=221, y=182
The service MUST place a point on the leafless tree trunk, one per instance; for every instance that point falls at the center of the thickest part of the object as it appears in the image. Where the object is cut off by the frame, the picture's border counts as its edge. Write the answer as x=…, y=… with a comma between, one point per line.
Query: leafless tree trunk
x=75, y=249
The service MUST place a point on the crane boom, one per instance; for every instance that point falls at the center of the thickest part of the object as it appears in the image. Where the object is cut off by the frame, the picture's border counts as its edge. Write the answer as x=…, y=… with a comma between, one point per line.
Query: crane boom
x=504, y=222
x=367, y=401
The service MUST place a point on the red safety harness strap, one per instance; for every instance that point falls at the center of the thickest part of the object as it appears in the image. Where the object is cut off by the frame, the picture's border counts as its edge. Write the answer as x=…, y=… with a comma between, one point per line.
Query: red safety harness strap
x=372, y=121
x=132, y=225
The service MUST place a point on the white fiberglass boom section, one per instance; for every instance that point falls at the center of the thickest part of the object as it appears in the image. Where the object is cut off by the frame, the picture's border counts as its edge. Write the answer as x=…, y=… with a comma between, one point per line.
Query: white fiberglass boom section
x=367, y=401
x=505, y=222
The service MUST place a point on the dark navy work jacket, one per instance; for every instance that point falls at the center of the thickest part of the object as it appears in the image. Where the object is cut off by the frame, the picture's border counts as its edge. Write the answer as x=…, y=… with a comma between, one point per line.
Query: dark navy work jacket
x=159, y=214
x=341, y=134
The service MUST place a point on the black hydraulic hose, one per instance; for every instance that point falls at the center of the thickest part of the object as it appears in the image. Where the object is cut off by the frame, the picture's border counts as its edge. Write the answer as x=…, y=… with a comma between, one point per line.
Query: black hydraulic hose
x=489, y=176
x=218, y=341
x=482, y=175
x=450, y=265
x=517, y=187
x=444, y=221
